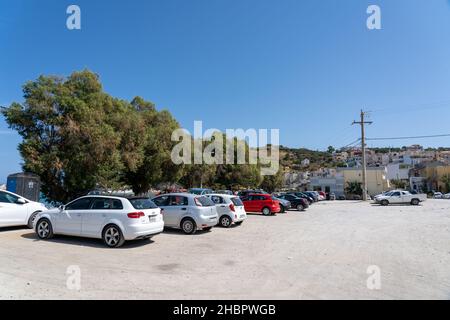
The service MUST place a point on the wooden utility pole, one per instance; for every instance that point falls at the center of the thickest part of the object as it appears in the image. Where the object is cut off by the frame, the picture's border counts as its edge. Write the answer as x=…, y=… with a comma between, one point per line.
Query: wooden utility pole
x=363, y=151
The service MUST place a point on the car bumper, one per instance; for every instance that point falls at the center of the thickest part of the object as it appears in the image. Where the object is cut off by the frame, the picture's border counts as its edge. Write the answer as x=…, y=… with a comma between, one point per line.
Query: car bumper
x=239, y=218
x=207, y=221
x=143, y=230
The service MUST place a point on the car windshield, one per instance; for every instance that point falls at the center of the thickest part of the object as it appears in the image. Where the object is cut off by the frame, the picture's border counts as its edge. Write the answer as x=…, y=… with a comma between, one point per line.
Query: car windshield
x=237, y=202
x=205, y=201
x=143, y=203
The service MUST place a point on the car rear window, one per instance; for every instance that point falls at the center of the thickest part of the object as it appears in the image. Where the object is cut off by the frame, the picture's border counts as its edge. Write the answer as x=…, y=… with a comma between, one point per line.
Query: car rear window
x=205, y=201
x=237, y=202
x=143, y=203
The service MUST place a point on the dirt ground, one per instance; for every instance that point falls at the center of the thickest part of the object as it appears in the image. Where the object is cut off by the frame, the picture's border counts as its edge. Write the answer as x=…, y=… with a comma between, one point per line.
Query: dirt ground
x=327, y=252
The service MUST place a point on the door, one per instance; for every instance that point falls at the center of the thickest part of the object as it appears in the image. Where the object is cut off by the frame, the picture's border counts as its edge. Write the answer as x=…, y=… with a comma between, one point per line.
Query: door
x=99, y=211
x=221, y=207
x=396, y=198
x=168, y=212
x=11, y=212
x=177, y=209
x=68, y=221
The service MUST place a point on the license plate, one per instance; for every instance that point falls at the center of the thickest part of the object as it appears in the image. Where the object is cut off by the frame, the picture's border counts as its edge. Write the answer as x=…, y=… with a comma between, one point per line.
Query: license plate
x=152, y=219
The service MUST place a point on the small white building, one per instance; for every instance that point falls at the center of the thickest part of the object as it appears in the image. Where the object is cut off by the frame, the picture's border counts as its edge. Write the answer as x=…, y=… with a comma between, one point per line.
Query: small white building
x=305, y=162
x=397, y=171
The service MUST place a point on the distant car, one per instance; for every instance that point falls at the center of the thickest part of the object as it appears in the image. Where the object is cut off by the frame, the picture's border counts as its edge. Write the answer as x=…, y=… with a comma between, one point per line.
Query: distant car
x=285, y=205
x=303, y=196
x=200, y=191
x=313, y=195
x=446, y=196
x=332, y=196
x=188, y=212
x=245, y=193
x=16, y=210
x=438, y=195
x=399, y=196
x=113, y=219
x=230, y=209
x=298, y=203
x=228, y=192
x=342, y=197
x=264, y=203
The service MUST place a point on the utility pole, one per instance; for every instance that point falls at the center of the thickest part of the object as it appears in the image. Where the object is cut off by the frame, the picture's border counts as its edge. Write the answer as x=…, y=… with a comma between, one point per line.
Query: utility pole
x=363, y=151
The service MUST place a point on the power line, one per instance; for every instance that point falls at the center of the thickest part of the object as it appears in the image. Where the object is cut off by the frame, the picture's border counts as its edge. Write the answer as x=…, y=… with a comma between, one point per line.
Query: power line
x=410, y=137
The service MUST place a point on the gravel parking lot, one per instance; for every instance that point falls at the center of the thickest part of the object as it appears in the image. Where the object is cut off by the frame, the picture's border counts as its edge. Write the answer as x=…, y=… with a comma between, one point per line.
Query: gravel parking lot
x=323, y=253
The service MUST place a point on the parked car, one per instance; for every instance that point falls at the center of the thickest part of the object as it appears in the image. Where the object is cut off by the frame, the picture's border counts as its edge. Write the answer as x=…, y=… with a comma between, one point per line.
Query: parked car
x=437, y=195
x=313, y=195
x=188, y=212
x=200, y=191
x=285, y=205
x=230, y=209
x=303, y=196
x=296, y=202
x=228, y=192
x=331, y=196
x=245, y=193
x=16, y=210
x=264, y=203
x=113, y=219
x=399, y=196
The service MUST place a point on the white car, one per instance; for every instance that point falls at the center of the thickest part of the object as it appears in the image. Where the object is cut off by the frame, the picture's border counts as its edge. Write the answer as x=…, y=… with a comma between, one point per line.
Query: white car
x=18, y=211
x=438, y=195
x=230, y=209
x=113, y=219
x=398, y=197
x=446, y=196
x=188, y=212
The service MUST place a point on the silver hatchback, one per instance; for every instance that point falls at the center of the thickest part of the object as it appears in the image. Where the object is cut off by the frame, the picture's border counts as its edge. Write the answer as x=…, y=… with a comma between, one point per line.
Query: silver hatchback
x=188, y=212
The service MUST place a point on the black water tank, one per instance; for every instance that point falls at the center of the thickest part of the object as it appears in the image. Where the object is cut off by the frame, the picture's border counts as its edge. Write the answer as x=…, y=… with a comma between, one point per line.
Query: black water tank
x=27, y=185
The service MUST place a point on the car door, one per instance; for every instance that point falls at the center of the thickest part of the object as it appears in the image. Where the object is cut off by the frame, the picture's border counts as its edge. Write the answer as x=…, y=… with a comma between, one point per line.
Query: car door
x=178, y=208
x=11, y=212
x=396, y=197
x=221, y=207
x=69, y=220
x=100, y=210
x=169, y=213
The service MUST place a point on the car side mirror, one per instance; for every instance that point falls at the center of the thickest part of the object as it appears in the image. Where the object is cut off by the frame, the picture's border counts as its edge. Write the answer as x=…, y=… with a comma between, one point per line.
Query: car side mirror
x=21, y=201
x=62, y=208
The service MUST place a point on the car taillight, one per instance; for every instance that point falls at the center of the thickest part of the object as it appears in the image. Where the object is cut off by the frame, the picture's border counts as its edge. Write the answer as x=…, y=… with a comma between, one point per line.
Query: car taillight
x=232, y=207
x=136, y=215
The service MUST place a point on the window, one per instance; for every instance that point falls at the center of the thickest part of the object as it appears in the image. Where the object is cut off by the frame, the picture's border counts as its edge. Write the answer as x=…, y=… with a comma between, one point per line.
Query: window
x=396, y=194
x=101, y=204
x=7, y=198
x=161, y=201
x=178, y=201
x=116, y=204
x=80, y=204
x=216, y=199
x=143, y=203
x=204, y=201
x=237, y=202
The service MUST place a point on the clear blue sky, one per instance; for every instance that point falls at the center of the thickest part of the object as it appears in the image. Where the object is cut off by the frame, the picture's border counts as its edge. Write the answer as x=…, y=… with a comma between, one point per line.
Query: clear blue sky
x=306, y=67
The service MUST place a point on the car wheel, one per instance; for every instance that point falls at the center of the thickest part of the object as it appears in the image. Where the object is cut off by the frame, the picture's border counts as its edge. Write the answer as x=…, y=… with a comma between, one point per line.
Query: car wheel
x=384, y=203
x=266, y=211
x=415, y=202
x=31, y=219
x=188, y=226
x=300, y=207
x=283, y=209
x=112, y=236
x=44, y=229
x=225, y=221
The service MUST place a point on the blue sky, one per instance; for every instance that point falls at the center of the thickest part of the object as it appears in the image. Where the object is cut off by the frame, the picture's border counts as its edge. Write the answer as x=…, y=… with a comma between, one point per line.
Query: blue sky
x=306, y=67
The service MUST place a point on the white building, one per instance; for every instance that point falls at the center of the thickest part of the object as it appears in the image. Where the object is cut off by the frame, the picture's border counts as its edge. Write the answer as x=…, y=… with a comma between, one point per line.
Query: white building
x=397, y=171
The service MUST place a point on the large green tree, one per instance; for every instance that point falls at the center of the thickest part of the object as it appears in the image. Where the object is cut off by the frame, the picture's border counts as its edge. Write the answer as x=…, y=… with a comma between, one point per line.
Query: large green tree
x=76, y=137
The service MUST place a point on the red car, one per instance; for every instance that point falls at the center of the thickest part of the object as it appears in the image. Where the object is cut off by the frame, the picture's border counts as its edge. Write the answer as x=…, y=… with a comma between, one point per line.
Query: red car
x=263, y=203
